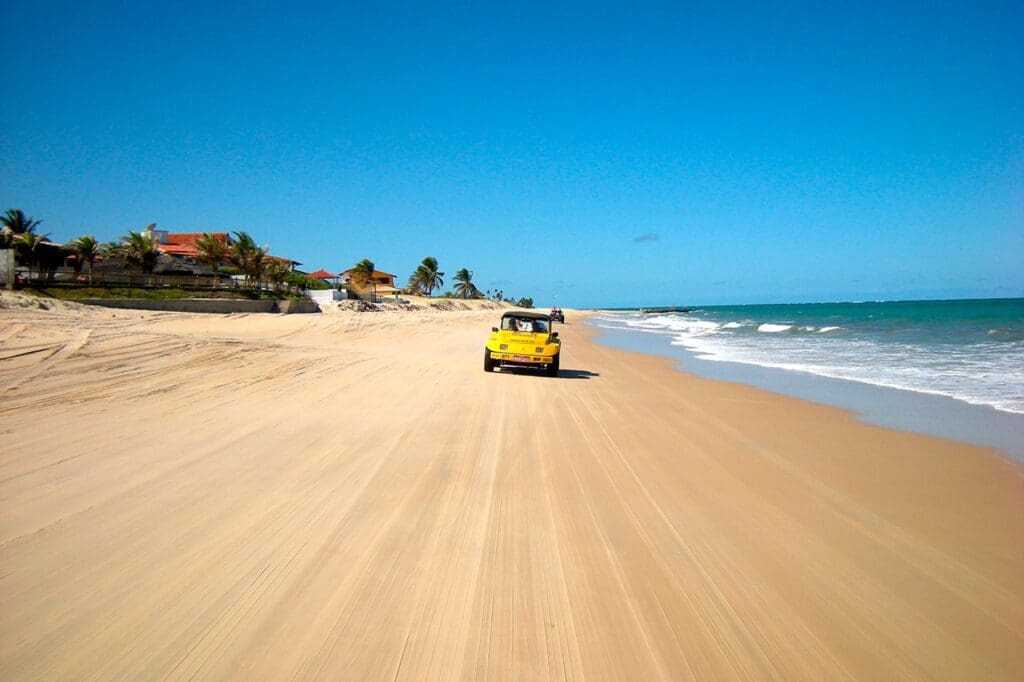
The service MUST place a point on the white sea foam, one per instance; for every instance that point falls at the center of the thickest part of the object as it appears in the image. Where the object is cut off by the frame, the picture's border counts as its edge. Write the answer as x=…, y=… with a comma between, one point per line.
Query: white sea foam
x=674, y=324
x=985, y=374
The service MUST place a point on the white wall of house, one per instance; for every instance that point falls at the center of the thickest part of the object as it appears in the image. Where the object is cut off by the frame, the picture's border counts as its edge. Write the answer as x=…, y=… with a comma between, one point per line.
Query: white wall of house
x=322, y=296
x=7, y=271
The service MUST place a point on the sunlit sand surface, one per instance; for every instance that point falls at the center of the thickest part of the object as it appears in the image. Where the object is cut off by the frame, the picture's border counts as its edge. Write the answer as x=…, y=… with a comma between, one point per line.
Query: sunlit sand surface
x=350, y=496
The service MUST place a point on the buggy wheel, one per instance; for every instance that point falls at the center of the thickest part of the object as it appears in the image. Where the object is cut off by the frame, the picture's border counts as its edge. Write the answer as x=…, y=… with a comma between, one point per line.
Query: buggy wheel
x=488, y=361
x=552, y=369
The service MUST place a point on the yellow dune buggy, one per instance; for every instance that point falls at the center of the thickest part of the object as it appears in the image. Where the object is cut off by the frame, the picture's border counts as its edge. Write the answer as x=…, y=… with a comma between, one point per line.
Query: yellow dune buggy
x=524, y=339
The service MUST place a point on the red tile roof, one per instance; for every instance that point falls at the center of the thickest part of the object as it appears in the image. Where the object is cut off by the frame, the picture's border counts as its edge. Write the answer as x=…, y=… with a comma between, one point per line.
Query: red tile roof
x=376, y=273
x=184, y=243
x=192, y=237
x=179, y=249
x=283, y=259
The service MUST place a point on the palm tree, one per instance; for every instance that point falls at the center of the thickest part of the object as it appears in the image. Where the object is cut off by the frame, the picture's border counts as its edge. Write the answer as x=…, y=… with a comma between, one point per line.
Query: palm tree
x=418, y=280
x=464, y=287
x=140, y=248
x=87, y=250
x=425, y=278
x=248, y=257
x=277, y=272
x=430, y=276
x=212, y=250
x=27, y=243
x=16, y=223
x=363, y=272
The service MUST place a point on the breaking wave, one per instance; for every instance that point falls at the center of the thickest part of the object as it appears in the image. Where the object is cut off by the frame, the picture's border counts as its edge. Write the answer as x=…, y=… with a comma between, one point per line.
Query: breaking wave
x=963, y=359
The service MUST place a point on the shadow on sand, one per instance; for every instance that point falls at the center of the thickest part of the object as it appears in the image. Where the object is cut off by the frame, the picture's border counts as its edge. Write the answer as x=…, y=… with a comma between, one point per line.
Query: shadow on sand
x=562, y=373
x=576, y=374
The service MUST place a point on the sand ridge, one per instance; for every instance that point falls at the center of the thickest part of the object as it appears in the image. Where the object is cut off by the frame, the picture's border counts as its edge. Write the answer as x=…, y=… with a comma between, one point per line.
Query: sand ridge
x=349, y=496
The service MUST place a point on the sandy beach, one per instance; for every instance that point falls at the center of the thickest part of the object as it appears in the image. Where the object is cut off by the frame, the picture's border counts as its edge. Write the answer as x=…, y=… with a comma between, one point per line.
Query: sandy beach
x=349, y=496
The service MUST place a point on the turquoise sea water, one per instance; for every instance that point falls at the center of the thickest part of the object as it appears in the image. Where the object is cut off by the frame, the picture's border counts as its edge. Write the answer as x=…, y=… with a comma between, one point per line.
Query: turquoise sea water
x=969, y=350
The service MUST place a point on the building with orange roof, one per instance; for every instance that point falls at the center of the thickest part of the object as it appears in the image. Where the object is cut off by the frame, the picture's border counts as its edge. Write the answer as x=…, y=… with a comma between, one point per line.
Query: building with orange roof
x=381, y=283
x=292, y=264
x=183, y=245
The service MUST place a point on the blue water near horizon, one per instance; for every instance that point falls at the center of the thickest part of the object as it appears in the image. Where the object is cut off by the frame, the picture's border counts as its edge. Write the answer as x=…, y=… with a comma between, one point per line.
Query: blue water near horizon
x=949, y=368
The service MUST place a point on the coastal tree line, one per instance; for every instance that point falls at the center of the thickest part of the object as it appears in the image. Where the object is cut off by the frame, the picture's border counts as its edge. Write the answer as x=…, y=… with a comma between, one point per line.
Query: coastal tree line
x=427, y=278
x=140, y=249
x=241, y=255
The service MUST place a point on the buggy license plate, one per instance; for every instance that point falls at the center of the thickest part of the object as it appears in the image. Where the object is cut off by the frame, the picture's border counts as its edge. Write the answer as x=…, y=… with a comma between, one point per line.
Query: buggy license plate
x=521, y=358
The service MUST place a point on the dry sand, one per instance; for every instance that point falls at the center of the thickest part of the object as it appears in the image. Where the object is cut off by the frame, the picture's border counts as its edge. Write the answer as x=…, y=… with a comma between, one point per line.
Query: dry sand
x=349, y=496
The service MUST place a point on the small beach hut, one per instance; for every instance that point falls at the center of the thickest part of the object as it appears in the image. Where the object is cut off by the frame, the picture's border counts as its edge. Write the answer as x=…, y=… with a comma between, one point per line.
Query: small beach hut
x=325, y=276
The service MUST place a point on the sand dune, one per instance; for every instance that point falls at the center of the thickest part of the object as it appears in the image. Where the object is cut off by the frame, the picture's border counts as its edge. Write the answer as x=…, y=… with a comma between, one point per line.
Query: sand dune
x=349, y=496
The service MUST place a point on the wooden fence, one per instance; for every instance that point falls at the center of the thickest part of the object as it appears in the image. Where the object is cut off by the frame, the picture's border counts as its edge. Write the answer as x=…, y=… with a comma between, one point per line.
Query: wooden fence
x=144, y=281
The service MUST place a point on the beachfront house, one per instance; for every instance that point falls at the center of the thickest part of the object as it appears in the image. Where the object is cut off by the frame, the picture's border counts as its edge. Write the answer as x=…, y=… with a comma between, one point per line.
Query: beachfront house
x=183, y=245
x=45, y=262
x=382, y=284
x=287, y=262
x=166, y=265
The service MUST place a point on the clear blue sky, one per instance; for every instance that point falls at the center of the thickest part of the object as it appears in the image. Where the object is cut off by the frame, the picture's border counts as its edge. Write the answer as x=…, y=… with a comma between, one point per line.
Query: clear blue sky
x=611, y=154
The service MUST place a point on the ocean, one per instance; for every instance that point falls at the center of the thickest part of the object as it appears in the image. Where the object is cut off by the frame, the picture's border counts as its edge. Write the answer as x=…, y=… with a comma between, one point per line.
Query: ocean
x=970, y=350
x=954, y=369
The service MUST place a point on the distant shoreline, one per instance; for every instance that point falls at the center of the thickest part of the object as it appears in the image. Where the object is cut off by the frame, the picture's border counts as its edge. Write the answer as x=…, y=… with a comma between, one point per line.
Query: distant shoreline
x=703, y=306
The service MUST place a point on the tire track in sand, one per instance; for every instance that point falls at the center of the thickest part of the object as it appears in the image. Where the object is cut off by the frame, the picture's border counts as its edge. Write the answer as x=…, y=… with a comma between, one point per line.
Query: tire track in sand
x=69, y=348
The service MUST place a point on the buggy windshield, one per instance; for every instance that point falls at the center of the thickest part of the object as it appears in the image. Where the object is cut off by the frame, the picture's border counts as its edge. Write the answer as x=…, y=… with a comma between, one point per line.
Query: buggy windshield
x=527, y=325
